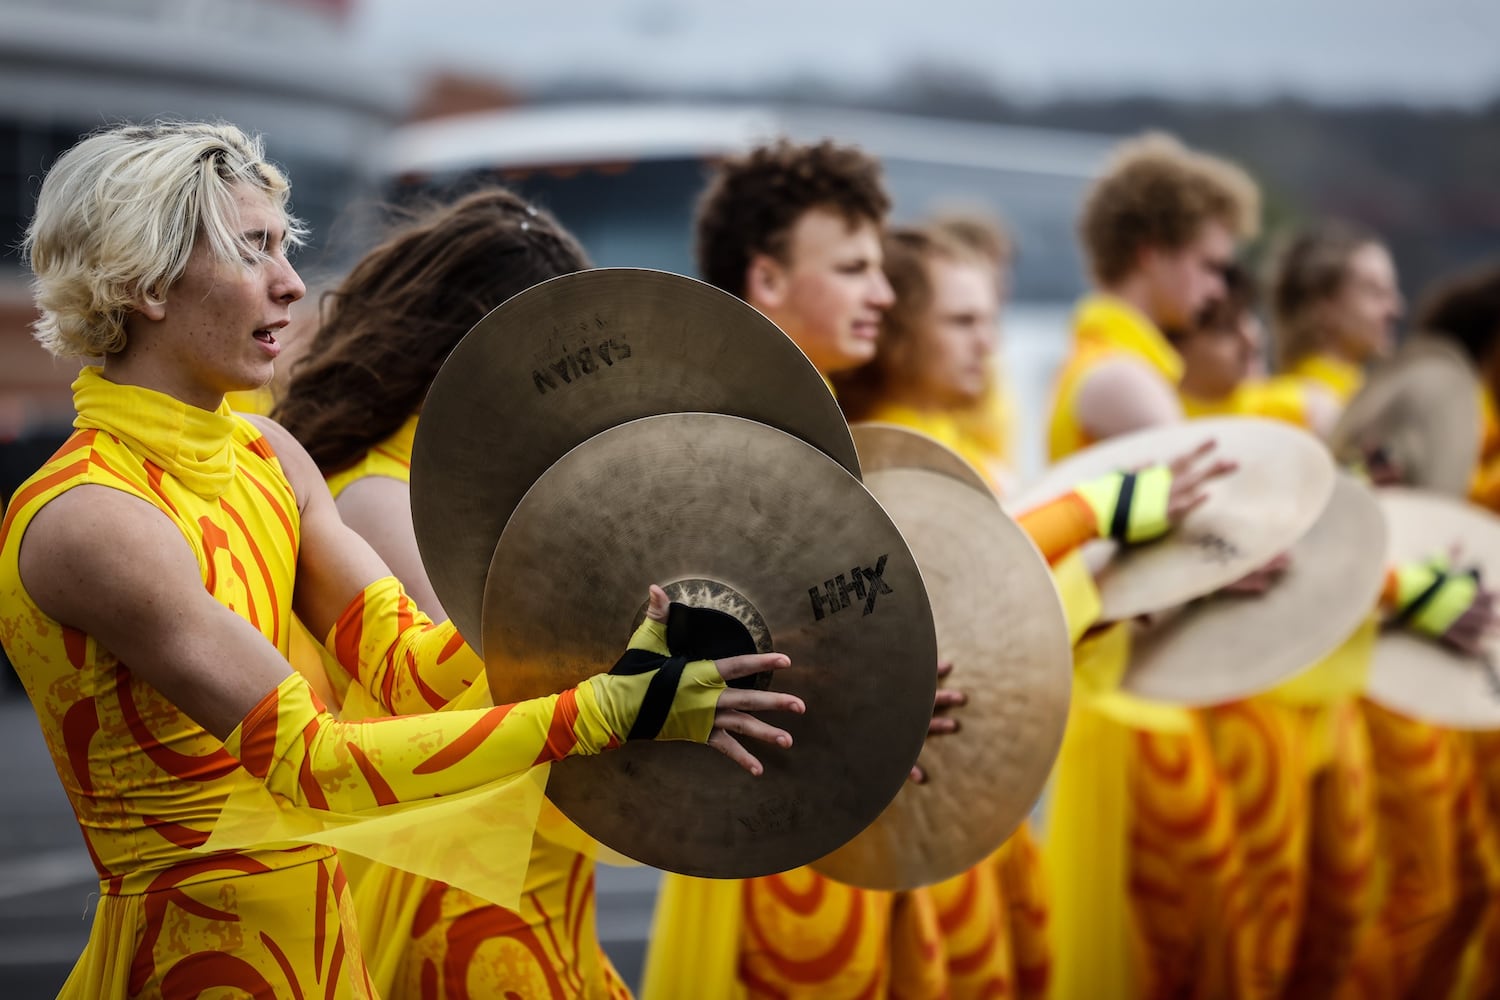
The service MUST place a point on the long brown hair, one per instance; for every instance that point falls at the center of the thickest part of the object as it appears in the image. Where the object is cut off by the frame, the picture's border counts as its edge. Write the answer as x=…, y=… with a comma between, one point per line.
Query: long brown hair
x=908, y=255
x=388, y=327
x=1310, y=270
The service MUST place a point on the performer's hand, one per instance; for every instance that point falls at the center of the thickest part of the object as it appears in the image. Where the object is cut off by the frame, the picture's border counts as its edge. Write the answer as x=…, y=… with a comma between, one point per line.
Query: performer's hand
x=1258, y=581
x=1191, y=472
x=1468, y=634
x=736, y=704
x=940, y=724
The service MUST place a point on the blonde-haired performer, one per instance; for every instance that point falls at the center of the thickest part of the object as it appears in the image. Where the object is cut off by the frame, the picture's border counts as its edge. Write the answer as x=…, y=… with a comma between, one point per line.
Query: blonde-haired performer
x=150, y=572
x=1140, y=838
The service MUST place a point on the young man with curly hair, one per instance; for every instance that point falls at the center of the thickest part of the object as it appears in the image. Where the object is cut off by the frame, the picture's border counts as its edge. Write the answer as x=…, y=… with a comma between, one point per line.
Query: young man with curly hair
x=797, y=231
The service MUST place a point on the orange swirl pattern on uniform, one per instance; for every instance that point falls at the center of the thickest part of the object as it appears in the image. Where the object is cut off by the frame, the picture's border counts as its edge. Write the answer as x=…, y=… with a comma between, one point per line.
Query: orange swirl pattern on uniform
x=1183, y=869
x=1431, y=844
x=462, y=946
x=1304, y=820
x=1485, y=491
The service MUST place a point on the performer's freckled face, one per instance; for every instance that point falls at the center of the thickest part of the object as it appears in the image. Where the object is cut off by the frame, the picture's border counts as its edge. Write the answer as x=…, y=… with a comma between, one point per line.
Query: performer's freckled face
x=830, y=292
x=216, y=332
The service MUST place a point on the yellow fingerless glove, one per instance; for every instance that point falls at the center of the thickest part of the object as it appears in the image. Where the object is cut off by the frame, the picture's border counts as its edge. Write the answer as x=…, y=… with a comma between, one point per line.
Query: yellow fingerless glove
x=1131, y=507
x=1430, y=597
x=652, y=695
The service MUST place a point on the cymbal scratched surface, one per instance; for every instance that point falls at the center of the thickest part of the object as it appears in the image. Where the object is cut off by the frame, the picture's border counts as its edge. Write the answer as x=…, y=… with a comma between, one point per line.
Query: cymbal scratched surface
x=726, y=513
x=570, y=357
x=1000, y=621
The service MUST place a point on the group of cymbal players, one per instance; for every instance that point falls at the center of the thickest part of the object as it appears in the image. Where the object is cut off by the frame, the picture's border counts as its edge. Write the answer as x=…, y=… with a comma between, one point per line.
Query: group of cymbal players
x=1245, y=674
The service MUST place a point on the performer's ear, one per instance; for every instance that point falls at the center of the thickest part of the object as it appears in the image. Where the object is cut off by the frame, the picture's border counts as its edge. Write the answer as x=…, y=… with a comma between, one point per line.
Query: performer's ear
x=765, y=282
x=152, y=305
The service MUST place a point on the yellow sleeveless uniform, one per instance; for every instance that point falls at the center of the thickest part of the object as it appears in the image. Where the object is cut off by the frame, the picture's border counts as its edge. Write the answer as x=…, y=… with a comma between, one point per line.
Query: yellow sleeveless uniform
x=1485, y=950
x=1297, y=763
x=1430, y=874
x=176, y=917
x=431, y=940
x=1140, y=839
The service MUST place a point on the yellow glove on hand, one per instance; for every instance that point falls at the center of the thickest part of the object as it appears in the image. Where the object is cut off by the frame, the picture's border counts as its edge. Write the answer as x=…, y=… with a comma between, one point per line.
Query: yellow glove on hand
x=661, y=696
x=1131, y=506
x=1430, y=597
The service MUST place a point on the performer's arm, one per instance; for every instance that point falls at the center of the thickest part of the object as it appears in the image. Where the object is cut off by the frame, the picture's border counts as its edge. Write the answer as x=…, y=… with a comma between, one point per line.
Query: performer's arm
x=1123, y=394
x=1434, y=599
x=291, y=742
x=1129, y=507
x=114, y=567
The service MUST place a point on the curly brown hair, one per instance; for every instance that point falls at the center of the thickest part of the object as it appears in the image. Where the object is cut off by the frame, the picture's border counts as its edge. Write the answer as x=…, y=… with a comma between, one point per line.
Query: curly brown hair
x=754, y=200
x=1466, y=310
x=908, y=256
x=390, y=324
x=1159, y=193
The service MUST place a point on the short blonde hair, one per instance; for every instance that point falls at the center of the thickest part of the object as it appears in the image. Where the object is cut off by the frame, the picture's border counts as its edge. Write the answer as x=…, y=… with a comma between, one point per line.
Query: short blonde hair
x=118, y=216
x=1158, y=193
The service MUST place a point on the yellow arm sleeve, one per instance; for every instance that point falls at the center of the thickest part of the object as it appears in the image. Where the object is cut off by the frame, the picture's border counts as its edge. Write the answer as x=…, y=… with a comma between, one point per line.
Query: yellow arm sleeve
x=406, y=663
x=292, y=744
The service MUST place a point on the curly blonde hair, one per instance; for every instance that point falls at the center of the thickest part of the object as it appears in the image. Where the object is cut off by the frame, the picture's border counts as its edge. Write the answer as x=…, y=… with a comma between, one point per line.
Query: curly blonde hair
x=118, y=216
x=1159, y=193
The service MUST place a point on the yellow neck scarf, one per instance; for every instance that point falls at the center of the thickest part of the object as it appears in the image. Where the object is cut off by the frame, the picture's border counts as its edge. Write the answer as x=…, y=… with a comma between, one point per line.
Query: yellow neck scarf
x=191, y=444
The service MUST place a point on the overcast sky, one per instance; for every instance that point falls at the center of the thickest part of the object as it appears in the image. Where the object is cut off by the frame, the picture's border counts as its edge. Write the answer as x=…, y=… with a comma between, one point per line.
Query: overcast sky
x=1424, y=51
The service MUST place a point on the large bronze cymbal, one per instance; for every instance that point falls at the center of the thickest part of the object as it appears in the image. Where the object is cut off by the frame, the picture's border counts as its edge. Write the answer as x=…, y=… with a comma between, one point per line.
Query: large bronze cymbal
x=1421, y=409
x=1229, y=646
x=1255, y=513
x=734, y=515
x=1000, y=621
x=1415, y=675
x=567, y=358
x=892, y=446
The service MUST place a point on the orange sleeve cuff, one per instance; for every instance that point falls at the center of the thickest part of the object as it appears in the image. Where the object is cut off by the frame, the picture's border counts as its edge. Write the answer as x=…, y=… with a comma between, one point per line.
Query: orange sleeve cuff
x=1389, y=589
x=1060, y=526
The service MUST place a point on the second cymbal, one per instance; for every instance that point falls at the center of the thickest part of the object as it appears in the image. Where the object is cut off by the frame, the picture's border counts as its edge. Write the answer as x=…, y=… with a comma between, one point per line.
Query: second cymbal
x=1000, y=621
x=1229, y=646
x=567, y=358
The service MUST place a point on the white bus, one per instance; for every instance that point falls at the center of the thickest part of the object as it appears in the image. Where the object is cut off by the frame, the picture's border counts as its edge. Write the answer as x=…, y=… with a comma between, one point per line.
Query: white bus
x=624, y=179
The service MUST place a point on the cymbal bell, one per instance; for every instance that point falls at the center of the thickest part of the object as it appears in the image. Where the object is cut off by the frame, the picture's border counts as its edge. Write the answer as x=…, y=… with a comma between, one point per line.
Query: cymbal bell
x=1000, y=621
x=741, y=517
x=567, y=358
x=1284, y=480
x=892, y=446
x=1224, y=647
x=1422, y=410
x=1417, y=676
